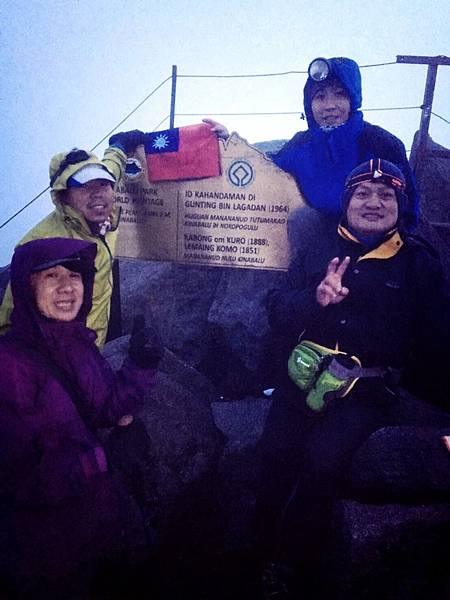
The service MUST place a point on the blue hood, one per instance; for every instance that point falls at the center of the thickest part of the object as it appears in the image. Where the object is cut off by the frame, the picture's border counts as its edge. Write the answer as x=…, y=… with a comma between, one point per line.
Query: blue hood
x=347, y=71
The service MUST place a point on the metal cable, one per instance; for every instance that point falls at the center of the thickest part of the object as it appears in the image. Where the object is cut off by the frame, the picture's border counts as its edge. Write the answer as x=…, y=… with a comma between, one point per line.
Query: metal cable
x=131, y=112
x=250, y=75
x=220, y=113
x=296, y=112
x=94, y=147
x=439, y=117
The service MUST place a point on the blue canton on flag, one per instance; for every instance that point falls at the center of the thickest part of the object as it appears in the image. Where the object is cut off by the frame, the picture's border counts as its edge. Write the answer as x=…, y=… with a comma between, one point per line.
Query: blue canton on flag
x=159, y=142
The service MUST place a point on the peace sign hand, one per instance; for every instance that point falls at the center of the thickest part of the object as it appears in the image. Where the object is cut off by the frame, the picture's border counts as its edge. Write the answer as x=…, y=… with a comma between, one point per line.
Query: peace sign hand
x=330, y=289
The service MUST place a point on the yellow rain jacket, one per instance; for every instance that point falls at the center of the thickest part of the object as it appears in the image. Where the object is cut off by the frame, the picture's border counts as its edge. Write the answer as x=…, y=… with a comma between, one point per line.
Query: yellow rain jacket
x=64, y=221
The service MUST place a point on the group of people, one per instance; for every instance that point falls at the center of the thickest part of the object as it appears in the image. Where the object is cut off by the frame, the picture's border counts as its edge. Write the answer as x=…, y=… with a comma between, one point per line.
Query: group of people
x=69, y=524
x=357, y=309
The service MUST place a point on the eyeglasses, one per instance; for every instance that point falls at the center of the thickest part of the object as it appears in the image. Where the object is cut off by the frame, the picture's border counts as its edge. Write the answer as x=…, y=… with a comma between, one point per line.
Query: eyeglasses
x=319, y=69
x=74, y=157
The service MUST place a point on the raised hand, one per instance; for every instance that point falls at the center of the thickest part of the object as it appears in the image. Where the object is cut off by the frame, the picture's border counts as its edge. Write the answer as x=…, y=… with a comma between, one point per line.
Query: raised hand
x=220, y=130
x=330, y=289
x=128, y=140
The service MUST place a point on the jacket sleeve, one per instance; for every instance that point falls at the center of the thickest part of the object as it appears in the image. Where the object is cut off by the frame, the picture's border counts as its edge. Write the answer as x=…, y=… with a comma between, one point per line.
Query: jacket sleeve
x=107, y=395
x=115, y=160
x=413, y=206
x=6, y=310
x=39, y=465
x=284, y=157
x=428, y=373
x=132, y=385
x=293, y=307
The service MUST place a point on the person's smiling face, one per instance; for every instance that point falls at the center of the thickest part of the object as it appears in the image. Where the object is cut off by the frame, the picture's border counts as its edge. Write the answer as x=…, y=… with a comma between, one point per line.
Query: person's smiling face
x=331, y=106
x=373, y=208
x=58, y=292
x=93, y=200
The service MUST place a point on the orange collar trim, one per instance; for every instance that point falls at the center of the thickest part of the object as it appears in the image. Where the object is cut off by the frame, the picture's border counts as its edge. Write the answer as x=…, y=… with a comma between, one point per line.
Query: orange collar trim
x=385, y=250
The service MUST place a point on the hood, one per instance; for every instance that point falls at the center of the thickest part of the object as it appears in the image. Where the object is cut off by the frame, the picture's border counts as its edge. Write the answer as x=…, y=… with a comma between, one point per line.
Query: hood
x=65, y=164
x=25, y=315
x=347, y=72
x=76, y=221
x=377, y=170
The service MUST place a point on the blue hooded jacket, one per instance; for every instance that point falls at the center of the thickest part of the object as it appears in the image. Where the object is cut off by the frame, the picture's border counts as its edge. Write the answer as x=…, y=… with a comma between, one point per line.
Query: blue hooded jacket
x=320, y=159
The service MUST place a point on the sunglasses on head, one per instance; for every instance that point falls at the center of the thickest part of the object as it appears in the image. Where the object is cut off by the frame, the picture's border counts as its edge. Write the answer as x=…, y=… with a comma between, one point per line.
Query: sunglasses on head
x=74, y=157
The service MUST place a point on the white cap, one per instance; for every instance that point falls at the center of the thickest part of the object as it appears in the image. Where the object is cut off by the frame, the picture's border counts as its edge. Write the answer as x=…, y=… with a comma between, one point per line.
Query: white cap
x=90, y=172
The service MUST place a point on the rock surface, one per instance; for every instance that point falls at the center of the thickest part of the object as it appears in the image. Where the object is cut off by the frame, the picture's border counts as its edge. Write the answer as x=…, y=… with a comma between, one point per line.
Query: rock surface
x=187, y=447
x=214, y=326
x=390, y=551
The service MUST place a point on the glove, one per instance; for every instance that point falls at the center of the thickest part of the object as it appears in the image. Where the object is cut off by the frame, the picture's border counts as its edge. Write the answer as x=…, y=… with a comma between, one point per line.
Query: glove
x=128, y=140
x=129, y=450
x=146, y=348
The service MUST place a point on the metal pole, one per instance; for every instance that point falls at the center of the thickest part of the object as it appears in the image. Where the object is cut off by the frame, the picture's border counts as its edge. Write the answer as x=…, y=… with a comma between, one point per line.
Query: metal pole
x=172, y=96
x=426, y=114
x=419, y=150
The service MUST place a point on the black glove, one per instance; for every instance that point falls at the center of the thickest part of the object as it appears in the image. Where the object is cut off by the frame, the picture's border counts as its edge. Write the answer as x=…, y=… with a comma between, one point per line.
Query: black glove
x=129, y=450
x=146, y=348
x=128, y=140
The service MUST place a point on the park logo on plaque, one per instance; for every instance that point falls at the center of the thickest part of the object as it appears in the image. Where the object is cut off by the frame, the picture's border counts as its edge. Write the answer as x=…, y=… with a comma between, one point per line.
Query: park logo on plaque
x=236, y=219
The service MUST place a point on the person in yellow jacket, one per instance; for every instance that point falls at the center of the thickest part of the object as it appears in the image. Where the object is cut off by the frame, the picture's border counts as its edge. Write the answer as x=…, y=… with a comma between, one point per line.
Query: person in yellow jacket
x=82, y=190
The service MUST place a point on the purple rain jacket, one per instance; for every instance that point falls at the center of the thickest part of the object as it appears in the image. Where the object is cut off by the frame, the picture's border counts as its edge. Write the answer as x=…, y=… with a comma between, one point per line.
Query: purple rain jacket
x=60, y=501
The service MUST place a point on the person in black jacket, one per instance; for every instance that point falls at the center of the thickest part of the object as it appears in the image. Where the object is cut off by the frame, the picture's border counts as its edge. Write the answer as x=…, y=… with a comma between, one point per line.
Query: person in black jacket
x=373, y=293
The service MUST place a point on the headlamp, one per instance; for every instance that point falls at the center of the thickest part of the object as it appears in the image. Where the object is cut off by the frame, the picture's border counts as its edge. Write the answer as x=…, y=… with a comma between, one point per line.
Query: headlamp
x=319, y=69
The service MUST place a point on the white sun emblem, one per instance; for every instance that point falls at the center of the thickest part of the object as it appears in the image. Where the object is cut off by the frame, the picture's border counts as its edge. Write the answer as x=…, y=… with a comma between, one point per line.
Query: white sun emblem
x=161, y=142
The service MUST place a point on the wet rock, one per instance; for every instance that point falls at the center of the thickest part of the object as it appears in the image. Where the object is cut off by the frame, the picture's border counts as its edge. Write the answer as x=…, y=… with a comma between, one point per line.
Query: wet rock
x=242, y=422
x=177, y=297
x=390, y=551
x=405, y=464
x=187, y=447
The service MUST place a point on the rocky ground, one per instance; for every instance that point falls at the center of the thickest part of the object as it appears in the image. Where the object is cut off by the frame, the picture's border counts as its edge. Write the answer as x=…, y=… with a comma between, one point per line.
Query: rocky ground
x=205, y=417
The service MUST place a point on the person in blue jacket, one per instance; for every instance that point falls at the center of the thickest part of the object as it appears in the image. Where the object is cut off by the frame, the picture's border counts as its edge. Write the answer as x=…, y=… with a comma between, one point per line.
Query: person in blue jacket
x=336, y=141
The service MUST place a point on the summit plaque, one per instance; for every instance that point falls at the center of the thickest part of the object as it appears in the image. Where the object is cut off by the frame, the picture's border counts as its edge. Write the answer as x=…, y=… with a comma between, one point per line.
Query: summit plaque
x=238, y=219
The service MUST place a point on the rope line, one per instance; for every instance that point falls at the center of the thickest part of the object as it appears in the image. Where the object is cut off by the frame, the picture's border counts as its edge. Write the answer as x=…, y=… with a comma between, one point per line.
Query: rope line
x=243, y=76
x=234, y=114
x=439, y=117
x=160, y=123
x=131, y=112
x=281, y=73
x=231, y=114
x=94, y=147
x=24, y=207
x=303, y=72
x=384, y=64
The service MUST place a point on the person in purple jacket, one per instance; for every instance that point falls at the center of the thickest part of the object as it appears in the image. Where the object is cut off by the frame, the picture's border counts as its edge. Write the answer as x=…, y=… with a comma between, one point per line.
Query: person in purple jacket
x=65, y=514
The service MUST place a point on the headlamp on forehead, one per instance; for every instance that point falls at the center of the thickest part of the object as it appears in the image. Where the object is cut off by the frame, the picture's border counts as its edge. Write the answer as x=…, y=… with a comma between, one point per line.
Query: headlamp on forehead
x=319, y=69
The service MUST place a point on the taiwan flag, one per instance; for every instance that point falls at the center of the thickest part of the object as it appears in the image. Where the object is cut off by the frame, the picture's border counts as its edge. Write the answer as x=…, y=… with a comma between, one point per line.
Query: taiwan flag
x=190, y=152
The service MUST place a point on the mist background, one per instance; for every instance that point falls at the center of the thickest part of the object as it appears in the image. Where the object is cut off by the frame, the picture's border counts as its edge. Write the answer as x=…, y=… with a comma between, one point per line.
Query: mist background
x=71, y=70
